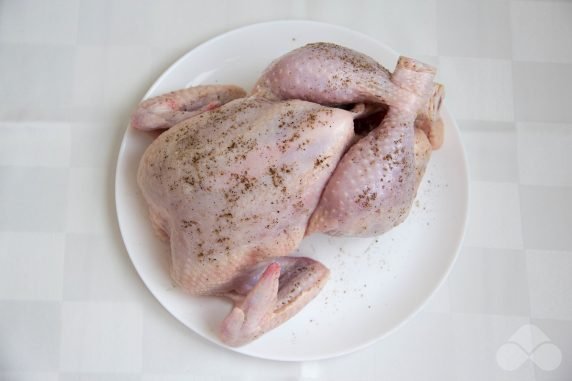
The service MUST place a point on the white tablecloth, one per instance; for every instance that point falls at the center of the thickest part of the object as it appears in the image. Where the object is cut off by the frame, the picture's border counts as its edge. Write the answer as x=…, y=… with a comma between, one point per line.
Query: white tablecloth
x=72, y=306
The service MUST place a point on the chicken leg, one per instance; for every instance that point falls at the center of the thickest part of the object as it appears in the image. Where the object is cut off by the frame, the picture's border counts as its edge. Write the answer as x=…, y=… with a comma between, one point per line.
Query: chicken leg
x=373, y=186
x=334, y=75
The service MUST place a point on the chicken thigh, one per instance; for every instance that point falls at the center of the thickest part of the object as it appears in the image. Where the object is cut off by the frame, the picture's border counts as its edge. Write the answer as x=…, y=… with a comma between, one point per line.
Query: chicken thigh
x=237, y=185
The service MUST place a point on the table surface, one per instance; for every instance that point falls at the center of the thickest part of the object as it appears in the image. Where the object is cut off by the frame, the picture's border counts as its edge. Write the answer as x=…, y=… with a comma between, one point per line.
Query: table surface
x=72, y=306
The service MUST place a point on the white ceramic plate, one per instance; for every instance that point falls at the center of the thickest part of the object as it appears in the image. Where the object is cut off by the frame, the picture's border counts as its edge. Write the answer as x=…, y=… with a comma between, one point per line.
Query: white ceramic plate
x=376, y=284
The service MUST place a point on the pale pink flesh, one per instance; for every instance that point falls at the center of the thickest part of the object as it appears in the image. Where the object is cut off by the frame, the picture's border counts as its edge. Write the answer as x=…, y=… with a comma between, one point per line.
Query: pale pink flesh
x=166, y=110
x=243, y=322
x=270, y=294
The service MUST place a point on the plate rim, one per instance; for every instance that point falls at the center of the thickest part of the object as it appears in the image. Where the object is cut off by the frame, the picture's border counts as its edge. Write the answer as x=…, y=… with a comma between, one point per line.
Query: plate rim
x=466, y=197
x=260, y=24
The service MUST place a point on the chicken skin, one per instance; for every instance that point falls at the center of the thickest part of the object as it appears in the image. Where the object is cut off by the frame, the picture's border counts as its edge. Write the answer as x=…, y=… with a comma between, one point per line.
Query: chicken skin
x=237, y=182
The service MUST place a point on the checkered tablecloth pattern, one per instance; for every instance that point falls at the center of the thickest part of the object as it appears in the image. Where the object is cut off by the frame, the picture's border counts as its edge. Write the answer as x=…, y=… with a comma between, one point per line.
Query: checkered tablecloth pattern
x=73, y=308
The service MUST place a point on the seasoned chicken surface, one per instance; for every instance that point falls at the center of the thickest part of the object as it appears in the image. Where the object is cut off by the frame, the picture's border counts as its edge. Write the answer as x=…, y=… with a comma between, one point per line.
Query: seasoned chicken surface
x=237, y=183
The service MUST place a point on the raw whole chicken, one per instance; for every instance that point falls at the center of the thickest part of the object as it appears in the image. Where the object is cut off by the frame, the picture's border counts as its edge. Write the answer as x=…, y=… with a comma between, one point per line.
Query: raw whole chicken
x=236, y=181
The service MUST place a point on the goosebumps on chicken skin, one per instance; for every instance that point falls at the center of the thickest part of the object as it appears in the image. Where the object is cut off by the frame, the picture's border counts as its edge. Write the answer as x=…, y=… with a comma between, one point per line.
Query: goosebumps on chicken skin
x=236, y=181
